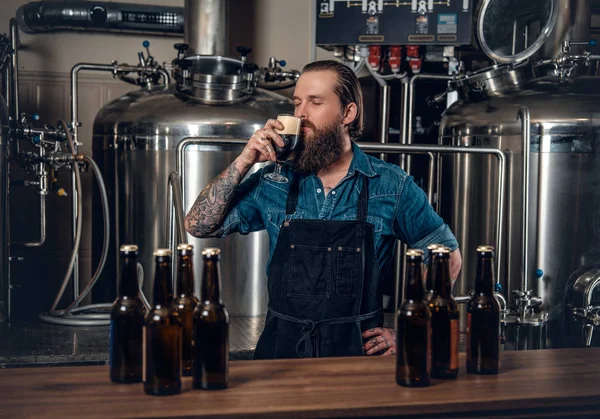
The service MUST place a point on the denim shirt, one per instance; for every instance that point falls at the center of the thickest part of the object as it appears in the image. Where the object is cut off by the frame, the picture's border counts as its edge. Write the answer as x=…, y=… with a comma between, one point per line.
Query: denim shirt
x=398, y=208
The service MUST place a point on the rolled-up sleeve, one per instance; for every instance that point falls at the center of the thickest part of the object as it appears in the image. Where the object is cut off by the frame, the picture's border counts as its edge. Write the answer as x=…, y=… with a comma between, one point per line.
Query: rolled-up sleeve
x=243, y=214
x=417, y=224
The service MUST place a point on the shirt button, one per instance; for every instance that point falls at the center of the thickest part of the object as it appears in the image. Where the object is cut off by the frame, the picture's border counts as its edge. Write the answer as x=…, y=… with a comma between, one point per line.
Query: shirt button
x=332, y=192
x=319, y=190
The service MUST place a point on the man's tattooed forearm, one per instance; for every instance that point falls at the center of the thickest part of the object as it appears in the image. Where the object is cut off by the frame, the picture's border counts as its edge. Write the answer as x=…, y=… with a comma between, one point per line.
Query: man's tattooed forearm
x=207, y=213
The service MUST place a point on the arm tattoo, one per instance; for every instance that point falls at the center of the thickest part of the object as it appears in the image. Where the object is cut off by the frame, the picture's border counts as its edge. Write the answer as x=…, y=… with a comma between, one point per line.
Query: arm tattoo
x=207, y=213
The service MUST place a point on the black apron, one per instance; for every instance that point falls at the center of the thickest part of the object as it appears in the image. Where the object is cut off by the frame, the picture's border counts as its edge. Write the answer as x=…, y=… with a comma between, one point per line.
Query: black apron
x=323, y=285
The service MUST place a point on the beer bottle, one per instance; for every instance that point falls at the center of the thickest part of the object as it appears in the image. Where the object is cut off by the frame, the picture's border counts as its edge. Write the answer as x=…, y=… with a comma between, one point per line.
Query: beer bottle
x=483, y=318
x=429, y=292
x=127, y=323
x=162, y=355
x=444, y=319
x=413, y=328
x=185, y=302
x=211, y=329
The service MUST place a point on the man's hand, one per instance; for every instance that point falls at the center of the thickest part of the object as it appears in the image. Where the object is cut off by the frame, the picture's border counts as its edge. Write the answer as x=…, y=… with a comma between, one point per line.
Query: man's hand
x=259, y=147
x=382, y=340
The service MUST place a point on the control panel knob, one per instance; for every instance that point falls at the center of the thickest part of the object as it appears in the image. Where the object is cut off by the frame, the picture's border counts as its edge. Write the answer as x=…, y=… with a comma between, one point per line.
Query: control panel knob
x=98, y=15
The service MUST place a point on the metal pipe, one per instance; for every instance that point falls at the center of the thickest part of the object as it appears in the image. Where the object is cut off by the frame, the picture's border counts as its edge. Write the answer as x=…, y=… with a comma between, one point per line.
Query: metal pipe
x=385, y=148
x=411, y=98
x=42, y=185
x=205, y=27
x=524, y=116
x=176, y=189
x=384, y=116
x=75, y=143
x=14, y=39
x=403, y=119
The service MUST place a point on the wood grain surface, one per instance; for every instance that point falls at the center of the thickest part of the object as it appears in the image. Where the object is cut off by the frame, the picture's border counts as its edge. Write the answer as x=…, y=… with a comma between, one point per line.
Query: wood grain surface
x=546, y=383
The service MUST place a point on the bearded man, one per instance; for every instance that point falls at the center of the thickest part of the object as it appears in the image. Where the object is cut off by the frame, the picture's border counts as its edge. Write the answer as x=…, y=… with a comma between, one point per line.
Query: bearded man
x=332, y=228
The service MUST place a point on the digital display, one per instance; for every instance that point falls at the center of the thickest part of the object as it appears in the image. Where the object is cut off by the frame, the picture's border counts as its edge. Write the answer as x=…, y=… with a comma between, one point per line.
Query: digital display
x=151, y=18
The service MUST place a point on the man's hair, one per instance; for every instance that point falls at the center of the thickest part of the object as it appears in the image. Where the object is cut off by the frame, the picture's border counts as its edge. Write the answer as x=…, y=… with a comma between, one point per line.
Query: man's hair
x=347, y=89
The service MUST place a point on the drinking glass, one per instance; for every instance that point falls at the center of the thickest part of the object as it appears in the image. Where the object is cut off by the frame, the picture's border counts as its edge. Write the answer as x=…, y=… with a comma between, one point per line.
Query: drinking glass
x=290, y=134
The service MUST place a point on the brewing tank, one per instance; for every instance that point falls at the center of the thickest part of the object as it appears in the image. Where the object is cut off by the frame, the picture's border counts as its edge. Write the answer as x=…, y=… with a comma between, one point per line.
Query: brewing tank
x=564, y=193
x=135, y=141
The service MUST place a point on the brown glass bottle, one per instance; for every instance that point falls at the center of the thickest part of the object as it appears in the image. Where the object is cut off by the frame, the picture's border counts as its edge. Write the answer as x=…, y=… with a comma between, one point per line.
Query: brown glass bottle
x=211, y=329
x=162, y=354
x=444, y=320
x=185, y=303
x=127, y=323
x=483, y=318
x=413, y=328
x=429, y=291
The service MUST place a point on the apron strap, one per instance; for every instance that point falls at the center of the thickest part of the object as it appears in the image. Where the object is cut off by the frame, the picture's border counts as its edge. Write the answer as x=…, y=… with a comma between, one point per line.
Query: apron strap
x=292, y=199
x=310, y=330
x=363, y=201
x=362, y=207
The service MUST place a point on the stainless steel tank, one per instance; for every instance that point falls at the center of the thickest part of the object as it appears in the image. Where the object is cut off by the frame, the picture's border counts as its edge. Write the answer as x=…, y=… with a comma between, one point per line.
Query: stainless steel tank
x=3, y=210
x=135, y=141
x=564, y=193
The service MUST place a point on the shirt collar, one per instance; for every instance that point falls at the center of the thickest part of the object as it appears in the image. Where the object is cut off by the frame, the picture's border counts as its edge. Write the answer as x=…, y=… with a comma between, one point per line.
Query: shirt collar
x=360, y=163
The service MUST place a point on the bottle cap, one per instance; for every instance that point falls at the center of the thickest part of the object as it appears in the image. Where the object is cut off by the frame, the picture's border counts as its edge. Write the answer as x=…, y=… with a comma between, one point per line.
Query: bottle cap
x=128, y=248
x=432, y=247
x=442, y=250
x=413, y=253
x=185, y=247
x=485, y=248
x=162, y=252
x=211, y=251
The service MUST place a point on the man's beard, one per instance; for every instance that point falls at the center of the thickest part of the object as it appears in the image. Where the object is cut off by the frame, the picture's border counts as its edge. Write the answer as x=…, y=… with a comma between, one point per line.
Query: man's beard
x=324, y=148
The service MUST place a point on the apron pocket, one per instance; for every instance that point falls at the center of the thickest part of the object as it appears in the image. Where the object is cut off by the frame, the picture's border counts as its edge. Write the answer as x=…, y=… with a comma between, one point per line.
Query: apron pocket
x=309, y=272
x=349, y=272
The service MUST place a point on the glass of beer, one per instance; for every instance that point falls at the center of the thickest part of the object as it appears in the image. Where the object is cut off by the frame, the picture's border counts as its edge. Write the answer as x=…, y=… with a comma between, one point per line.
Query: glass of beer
x=290, y=134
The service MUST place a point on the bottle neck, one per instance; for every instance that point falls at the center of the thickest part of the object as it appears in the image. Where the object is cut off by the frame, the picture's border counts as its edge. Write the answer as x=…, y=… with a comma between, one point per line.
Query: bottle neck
x=211, y=282
x=185, y=276
x=128, y=285
x=163, y=287
x=442, y=284
x=485, y=278
x=414, y=281
x=429, y=281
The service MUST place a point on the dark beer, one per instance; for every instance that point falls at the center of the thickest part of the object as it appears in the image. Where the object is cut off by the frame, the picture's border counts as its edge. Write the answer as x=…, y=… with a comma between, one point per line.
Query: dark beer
x=185, y=302
x=127, y=323
x=429, y=288
x=211, y=329
x=413, y=329
x=444, y=319
x=162, y=355
x=483, y=318
x=290, y=134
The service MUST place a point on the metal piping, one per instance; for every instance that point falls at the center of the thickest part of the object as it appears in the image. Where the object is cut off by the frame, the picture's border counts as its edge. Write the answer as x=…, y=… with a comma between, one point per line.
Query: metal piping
x=403, y=119
x=14, y=39
x=175, y=200
x=411, y=98
x=384, y=116
x=431, y=150
x=205, y=27
x=524, y=116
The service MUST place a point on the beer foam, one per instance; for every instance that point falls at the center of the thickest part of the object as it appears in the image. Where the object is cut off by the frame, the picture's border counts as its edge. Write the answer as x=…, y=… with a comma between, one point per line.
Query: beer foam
x=291, y=124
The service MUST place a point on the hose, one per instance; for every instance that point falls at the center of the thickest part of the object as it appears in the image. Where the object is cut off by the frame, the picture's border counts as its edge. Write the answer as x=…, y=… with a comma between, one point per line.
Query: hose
x=105, y=243
x=93, y=319
x=75, y=251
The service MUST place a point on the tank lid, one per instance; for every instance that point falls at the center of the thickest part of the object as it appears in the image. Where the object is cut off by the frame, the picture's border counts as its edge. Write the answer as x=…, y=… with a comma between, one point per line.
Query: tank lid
x=510, y=31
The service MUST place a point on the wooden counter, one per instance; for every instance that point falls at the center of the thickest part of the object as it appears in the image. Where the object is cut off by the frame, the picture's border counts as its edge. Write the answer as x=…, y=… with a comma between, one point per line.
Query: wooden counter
x=549, y=383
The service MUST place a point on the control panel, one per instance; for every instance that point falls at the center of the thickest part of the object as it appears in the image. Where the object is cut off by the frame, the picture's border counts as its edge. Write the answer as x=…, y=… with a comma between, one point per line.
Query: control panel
x=394, y=22
x=52, y=16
